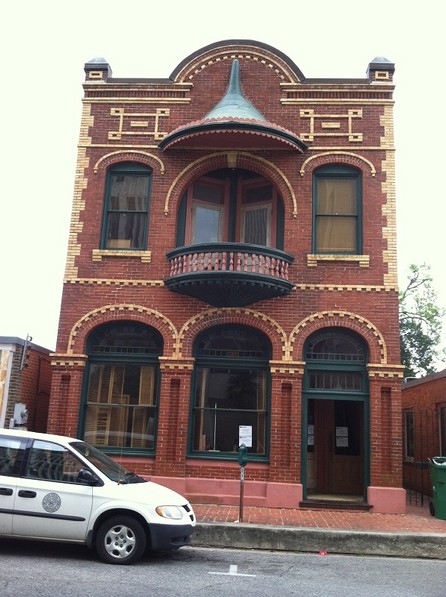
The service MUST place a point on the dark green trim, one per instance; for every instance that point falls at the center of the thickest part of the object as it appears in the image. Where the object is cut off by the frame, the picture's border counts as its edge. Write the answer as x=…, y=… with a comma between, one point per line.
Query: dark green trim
x=334, y=171
x=181, y=221
x=234, y=247
x=280, y=224
x=230, y=363
x=127, y=168
x=366, y=439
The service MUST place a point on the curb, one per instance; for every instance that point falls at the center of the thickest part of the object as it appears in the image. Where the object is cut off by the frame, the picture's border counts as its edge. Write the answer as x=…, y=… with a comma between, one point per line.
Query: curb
x=293, y=539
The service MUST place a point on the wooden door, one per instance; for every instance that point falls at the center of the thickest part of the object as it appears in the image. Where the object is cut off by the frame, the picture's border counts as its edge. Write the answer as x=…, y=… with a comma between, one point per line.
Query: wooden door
x=339, y=452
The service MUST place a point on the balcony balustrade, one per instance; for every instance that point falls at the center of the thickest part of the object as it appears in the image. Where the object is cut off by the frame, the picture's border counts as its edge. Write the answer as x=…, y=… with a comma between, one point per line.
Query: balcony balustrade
x=229, y=274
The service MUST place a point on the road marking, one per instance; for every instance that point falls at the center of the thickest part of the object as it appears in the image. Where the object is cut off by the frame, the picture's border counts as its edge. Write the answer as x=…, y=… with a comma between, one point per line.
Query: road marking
x=232, y=572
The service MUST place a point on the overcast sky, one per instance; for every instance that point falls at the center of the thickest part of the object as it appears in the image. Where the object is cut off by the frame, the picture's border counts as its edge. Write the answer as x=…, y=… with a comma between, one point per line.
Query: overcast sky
x=45, y=44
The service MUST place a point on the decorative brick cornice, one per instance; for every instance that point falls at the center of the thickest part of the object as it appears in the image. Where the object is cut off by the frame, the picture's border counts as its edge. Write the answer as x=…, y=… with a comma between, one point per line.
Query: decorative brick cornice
x=385, y=371
x=176, y=363
x=287, y=367
x=68, y=360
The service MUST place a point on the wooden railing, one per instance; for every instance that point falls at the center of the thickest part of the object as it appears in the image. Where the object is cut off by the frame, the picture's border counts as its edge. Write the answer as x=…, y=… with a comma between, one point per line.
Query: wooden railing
x=230, y=257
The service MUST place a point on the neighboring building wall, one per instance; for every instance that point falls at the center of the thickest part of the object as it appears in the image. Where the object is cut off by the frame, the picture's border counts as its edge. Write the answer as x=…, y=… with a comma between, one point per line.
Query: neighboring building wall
x=25, y=381
x=345, y=123
x=424, y=428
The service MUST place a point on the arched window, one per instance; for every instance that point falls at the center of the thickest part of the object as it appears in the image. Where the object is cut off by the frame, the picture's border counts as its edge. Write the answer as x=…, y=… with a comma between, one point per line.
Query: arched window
x=121, y=387
x=337, y=210
x=231, y=391
x=335, y=361
x=231, y=206
x=126, y=207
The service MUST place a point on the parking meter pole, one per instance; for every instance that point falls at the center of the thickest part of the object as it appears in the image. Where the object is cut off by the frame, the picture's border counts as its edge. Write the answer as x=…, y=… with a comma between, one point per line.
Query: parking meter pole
x=242, y=490
x=243, y=459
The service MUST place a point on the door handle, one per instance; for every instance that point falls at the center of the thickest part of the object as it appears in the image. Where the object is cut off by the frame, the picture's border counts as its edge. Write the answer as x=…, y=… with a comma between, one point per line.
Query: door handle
x=5, y=491
x=26, y=493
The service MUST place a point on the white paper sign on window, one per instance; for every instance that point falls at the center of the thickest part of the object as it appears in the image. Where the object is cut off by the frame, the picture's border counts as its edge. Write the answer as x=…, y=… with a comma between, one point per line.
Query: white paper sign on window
x=310, y=435
x=342, y=437
x=245, y=435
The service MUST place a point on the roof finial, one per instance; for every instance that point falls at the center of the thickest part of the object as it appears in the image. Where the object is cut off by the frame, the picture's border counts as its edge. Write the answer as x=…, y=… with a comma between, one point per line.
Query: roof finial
x=234, y=104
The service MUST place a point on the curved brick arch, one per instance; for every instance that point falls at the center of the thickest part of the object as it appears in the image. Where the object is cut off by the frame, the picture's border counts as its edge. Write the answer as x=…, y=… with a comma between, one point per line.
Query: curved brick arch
x=108, y=313
x=232, y=159
x=342, y=319
x=248, y=317
x=133, y=156
x=338, y=157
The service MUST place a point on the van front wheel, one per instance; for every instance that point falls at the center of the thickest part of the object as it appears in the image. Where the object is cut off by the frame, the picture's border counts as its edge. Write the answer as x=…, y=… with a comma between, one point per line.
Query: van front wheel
x=120, y=540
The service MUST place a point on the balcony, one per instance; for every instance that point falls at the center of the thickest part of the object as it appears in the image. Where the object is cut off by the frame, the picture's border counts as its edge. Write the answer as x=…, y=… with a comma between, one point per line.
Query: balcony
x=229, y=274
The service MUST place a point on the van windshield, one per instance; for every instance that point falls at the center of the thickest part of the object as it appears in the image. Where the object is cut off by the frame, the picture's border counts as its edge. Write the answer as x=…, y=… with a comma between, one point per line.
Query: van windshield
x=107, y=466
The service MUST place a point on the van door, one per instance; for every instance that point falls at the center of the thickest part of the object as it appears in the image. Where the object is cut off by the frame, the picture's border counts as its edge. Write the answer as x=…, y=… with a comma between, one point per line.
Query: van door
x=11, y=451
x=49, y=502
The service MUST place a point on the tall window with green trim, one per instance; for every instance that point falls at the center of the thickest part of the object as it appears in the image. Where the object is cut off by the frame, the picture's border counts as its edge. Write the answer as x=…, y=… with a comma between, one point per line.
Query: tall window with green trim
x=126, y=207
x=337, y=210
x=121, y=386
x=231, y=392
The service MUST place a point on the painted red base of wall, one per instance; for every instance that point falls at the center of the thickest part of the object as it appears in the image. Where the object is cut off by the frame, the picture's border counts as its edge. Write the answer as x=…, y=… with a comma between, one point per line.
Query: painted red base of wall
x=384, y=500
x=387, y=500
x=227, y=492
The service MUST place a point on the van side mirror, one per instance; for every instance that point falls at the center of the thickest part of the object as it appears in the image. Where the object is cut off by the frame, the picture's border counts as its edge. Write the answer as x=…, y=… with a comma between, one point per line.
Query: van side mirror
x=86, y=477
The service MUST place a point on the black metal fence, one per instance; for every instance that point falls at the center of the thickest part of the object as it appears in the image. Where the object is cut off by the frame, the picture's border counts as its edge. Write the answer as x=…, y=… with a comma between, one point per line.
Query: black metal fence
x=421, y=442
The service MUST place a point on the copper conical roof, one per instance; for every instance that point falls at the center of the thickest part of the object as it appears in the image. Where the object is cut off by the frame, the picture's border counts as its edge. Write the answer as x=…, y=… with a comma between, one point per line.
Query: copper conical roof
x=234, y=123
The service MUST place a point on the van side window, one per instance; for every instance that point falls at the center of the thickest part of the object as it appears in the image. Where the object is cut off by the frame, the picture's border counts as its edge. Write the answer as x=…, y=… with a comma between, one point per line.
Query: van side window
x=11, y=456
x=52, y=462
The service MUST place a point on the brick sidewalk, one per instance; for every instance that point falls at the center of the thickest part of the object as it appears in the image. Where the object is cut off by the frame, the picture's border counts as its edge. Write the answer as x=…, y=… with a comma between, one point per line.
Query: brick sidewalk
x=416, y=520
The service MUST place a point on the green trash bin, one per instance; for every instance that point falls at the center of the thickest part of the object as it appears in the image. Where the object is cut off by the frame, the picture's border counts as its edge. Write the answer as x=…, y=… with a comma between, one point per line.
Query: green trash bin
x=437, y=470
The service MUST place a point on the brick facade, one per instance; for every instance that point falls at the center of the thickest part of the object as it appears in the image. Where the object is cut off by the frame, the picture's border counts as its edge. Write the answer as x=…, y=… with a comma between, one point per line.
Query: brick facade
x=424, y=401
x=25, y=379
x=340, y=122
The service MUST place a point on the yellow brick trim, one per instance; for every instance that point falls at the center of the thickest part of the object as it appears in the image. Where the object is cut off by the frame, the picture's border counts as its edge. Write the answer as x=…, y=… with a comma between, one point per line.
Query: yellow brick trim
x=113, y=282
x=80, y=183
x=176, y=363
x=231, y=159
x=244, y=52
x=389, y=208
x=350, y=154
x=68, y=360
x=99, y=254
x=314, y=258
x=120, y=308
x=216, y=315
x=344, y=287
x=386, y=371
x=329, y=316
x=144, y=154
x=287, y=367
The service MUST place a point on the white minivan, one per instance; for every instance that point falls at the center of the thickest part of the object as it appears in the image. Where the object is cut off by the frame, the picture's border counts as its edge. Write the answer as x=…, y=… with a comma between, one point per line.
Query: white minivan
x=57, y=488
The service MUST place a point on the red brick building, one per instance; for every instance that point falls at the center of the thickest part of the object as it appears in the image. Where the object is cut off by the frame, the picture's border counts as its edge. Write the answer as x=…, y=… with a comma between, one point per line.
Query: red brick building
x=424, y=428
x=25, y=383
x=231, y=278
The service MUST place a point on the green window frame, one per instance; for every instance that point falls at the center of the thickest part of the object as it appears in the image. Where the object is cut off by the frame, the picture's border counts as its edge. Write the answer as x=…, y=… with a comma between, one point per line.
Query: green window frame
x=231, y=393
x=121, y=384
x=335, y=363
x=337, y=211
x=126, y=207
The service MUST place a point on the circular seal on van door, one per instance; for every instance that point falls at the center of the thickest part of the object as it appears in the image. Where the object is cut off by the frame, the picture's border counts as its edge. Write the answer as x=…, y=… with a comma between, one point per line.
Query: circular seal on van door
x=51, y=502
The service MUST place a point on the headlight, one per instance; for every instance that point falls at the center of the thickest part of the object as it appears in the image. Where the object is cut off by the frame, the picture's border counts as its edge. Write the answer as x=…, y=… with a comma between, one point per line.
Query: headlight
x=172, y=512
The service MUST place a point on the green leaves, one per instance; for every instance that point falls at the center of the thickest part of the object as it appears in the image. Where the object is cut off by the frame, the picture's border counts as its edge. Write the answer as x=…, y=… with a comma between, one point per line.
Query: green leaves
x=420, y=323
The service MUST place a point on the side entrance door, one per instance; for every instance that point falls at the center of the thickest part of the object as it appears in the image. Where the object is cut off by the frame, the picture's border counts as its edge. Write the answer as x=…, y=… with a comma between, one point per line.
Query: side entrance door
x=336, y=460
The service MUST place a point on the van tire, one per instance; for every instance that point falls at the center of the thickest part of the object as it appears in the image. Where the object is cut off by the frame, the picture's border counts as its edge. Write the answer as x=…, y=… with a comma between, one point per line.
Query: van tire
x=120, y=540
